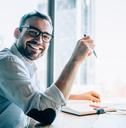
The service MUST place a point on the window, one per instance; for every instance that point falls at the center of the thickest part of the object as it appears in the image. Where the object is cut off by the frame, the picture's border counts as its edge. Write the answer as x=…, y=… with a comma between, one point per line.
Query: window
x=110, y=31
x=10, y=15
x=106, y=23
x=72, y=20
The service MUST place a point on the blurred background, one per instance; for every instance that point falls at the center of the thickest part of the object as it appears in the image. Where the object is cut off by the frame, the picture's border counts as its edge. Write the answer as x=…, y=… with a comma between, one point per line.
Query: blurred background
x=103, y=20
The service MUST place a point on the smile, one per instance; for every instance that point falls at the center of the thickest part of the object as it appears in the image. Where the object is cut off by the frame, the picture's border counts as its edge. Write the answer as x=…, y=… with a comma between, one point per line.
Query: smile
x=34, y=46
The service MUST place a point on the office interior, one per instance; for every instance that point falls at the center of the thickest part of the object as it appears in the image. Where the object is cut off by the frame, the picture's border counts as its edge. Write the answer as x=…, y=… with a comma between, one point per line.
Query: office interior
x=103, y=20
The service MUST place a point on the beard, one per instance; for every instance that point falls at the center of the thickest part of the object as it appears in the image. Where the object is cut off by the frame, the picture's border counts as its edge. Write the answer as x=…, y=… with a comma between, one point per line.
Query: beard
x=31, y=50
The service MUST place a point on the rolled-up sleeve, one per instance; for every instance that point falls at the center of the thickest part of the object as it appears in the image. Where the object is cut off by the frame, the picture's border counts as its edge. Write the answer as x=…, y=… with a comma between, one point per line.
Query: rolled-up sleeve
x=55, y=95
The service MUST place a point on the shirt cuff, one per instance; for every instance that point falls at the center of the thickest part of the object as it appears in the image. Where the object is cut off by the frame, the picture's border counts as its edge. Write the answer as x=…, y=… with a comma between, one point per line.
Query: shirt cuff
x=55, y=95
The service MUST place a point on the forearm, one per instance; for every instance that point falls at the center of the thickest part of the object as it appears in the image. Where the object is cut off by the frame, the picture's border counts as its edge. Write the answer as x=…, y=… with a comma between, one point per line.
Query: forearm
x=91, y=95
x=74, y=97
x=65, y=80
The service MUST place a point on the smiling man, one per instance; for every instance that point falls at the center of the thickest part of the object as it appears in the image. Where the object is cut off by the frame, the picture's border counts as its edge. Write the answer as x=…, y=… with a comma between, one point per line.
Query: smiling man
x=35, y=37
x=19, y=97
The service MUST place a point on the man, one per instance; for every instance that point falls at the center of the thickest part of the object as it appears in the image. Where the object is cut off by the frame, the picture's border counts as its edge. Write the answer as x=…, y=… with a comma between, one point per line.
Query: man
x=18, y=93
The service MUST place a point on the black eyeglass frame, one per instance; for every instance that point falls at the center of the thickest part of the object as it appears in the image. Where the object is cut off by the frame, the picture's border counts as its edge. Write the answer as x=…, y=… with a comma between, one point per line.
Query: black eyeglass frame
x=39, y=32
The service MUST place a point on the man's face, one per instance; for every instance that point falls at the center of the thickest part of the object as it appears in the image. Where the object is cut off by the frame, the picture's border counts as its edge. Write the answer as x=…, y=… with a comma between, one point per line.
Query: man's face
x=34, y=38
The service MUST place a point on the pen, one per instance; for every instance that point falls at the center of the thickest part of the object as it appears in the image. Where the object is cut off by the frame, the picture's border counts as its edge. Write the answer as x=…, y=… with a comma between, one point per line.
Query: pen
x=94, y=53
x=93, y=50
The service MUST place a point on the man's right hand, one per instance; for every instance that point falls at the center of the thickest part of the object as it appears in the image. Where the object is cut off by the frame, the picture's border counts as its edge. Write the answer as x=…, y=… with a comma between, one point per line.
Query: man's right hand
x=83, y=49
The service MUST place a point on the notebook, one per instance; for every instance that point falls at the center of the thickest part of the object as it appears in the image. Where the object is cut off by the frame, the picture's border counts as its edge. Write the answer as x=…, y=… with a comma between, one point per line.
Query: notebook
x=81, y=108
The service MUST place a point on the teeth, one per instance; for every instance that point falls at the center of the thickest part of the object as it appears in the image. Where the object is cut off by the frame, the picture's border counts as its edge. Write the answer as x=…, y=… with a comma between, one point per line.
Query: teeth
x=34, y=46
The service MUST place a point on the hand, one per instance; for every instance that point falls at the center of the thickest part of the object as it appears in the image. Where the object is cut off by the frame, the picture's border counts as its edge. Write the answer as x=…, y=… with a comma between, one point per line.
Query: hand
x=83, y=49
x=91, y=95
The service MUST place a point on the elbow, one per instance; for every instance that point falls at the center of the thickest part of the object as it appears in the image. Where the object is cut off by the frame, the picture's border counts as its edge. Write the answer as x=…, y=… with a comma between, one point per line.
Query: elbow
x=45, y=117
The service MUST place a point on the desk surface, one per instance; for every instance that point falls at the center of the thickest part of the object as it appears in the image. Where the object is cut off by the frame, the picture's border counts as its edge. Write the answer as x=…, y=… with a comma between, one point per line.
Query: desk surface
x=65, y=120
x=107, y=120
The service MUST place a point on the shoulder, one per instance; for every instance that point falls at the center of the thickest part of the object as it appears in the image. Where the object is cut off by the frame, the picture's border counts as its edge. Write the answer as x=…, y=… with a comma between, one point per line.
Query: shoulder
x=7, y=55
x=8, y=59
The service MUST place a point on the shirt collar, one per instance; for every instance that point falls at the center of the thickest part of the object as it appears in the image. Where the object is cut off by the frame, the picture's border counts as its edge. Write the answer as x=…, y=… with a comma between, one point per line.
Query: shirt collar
x=27, y=62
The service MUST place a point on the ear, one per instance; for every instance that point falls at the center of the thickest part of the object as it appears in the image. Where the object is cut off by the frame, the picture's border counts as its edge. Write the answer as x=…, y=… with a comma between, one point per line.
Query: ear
x=17, y=33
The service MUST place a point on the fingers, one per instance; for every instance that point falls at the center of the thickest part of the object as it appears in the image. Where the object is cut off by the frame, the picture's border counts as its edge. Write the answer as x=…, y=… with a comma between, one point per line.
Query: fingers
x=83, y=49
x=95, y=94
x=95, y=97
x=88, y=42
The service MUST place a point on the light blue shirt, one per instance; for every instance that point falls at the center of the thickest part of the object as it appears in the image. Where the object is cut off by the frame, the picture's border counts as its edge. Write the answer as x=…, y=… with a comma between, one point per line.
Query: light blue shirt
x=18, y=93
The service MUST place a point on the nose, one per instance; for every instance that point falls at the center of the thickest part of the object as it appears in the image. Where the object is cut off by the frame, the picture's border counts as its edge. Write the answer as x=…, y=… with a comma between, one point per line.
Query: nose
x=39, y=39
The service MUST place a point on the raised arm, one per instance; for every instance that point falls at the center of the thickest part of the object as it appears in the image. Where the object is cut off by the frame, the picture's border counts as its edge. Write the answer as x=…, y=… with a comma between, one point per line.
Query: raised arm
x=82, y=50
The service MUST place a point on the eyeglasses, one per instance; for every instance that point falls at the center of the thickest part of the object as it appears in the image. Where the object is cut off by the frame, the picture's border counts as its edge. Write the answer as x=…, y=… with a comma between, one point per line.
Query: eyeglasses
x=35, y=32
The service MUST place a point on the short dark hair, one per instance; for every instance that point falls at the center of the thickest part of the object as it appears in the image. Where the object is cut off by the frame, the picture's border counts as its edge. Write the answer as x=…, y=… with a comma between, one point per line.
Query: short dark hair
x=32, y=14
